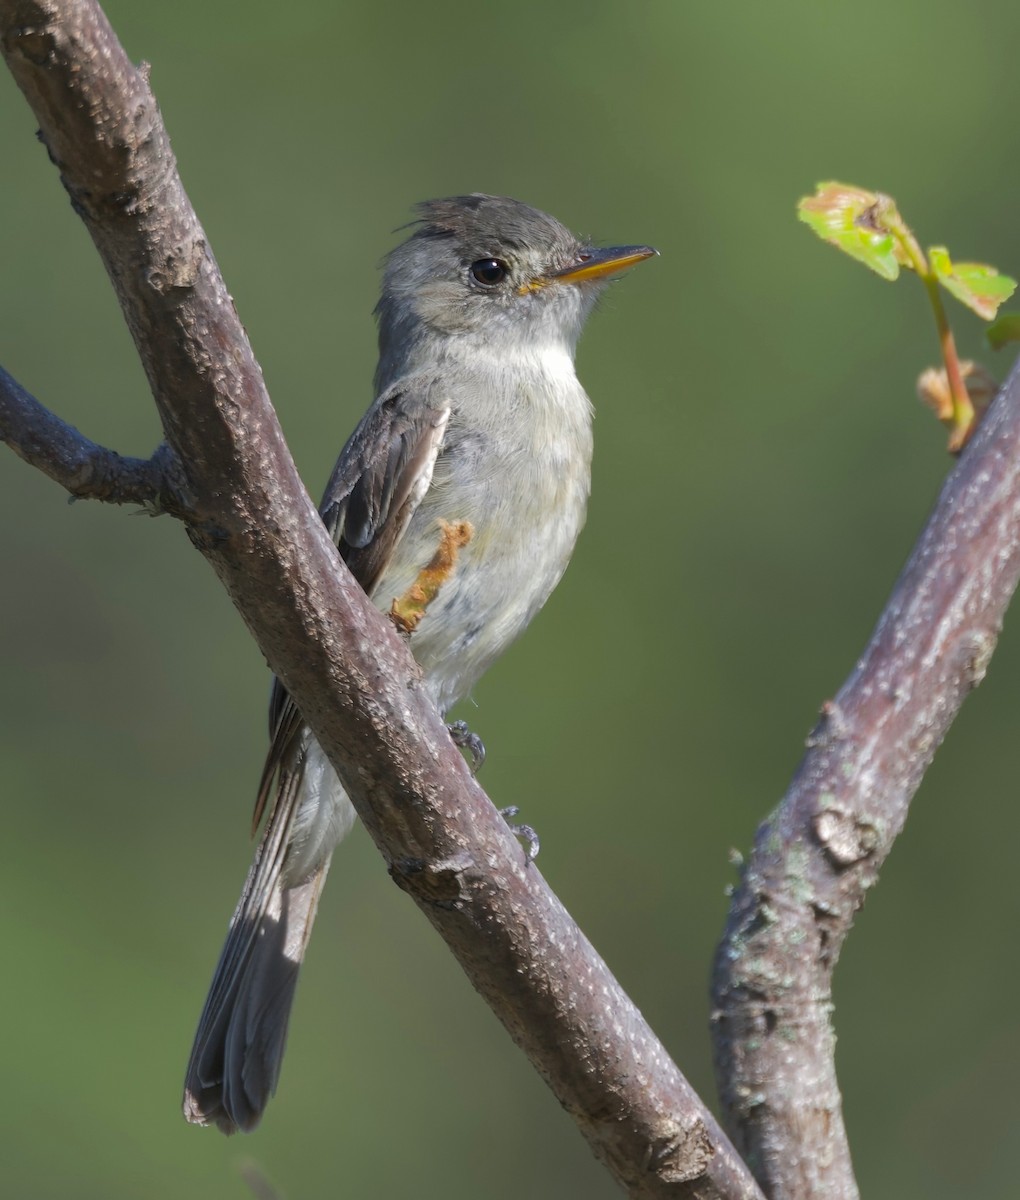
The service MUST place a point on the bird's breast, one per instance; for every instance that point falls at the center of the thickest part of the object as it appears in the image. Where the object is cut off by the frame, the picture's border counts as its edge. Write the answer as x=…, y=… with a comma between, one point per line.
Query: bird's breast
x=516, y=465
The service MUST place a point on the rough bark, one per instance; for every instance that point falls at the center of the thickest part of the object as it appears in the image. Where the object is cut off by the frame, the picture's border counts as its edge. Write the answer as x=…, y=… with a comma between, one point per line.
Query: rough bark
x=228, y=475
x=818, y=854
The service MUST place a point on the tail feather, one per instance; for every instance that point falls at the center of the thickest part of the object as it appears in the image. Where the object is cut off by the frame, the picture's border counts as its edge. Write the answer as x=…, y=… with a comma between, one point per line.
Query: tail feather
x=235, y=1061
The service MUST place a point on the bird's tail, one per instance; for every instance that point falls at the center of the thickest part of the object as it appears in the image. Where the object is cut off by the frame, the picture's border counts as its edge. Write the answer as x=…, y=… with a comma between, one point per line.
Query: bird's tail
x=235, y=1060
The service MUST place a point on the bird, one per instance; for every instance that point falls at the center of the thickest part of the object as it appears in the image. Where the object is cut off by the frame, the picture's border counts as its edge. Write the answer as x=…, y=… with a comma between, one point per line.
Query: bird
x=479, y=426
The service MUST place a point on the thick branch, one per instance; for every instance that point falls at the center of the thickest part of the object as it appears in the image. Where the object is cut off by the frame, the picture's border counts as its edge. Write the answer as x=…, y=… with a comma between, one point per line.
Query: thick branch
x=819, y=853
x=87, y=470
x=349, y=672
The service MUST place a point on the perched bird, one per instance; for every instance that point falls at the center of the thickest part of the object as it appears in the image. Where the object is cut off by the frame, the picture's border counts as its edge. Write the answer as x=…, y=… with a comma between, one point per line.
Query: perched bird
x=479, y=424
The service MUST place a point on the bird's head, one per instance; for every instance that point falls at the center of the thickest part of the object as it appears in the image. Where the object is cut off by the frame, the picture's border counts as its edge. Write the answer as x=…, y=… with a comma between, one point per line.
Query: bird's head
x=494, y=272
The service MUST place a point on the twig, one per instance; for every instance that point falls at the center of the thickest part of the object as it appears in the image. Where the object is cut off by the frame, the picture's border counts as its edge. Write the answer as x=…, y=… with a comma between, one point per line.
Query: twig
x=88, y=471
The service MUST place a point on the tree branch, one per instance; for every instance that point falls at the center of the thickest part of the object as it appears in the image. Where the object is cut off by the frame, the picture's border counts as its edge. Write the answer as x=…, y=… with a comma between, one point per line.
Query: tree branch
x=818, y=854
x=348, y=670
x=88, y=471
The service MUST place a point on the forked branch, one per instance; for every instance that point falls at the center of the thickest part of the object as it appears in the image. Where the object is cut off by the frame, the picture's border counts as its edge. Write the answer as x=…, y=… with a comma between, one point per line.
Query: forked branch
x=347, y=668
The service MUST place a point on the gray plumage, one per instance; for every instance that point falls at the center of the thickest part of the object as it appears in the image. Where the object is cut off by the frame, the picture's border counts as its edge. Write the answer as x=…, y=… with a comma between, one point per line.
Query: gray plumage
x=479, y=417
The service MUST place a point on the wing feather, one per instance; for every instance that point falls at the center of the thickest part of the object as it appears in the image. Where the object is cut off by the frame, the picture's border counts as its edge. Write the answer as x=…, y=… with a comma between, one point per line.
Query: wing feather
x=379, y=479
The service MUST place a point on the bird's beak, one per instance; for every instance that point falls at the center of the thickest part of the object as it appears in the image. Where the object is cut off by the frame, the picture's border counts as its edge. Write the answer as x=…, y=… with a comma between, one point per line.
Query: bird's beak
x=599, y=264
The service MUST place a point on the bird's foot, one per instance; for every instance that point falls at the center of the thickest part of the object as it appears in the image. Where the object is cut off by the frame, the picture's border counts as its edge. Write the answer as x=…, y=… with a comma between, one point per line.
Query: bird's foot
x=471, y=742
x=526, y=832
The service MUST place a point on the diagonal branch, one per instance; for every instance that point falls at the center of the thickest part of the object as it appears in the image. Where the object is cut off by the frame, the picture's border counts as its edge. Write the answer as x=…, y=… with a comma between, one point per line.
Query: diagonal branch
x=345, y=665
x=818, y=854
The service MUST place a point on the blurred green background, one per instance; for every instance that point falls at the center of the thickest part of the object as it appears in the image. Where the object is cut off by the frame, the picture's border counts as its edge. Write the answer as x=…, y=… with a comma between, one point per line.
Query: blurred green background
x=762, y=470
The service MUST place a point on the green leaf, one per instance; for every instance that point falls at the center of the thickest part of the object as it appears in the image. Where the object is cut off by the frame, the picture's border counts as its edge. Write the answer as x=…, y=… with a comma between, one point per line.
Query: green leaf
x=863, y=224
x=977, y=285
x=1004, y=329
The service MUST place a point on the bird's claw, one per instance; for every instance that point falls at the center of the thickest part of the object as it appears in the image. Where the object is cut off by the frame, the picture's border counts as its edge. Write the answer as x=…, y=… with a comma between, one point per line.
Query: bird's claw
x=526, y=832
x=471, y=742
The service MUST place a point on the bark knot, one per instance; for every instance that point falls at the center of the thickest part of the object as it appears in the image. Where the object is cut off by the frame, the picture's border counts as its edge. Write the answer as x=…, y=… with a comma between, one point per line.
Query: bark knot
x=441, y=883
x=845, y=838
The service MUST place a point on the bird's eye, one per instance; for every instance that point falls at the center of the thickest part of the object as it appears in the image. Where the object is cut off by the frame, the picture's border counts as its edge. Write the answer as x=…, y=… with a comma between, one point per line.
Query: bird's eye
x=489, y=271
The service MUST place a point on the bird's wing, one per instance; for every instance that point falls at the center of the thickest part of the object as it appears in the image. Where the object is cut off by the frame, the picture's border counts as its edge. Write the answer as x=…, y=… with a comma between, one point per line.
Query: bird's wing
x=379, y=479
x=382, y=474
